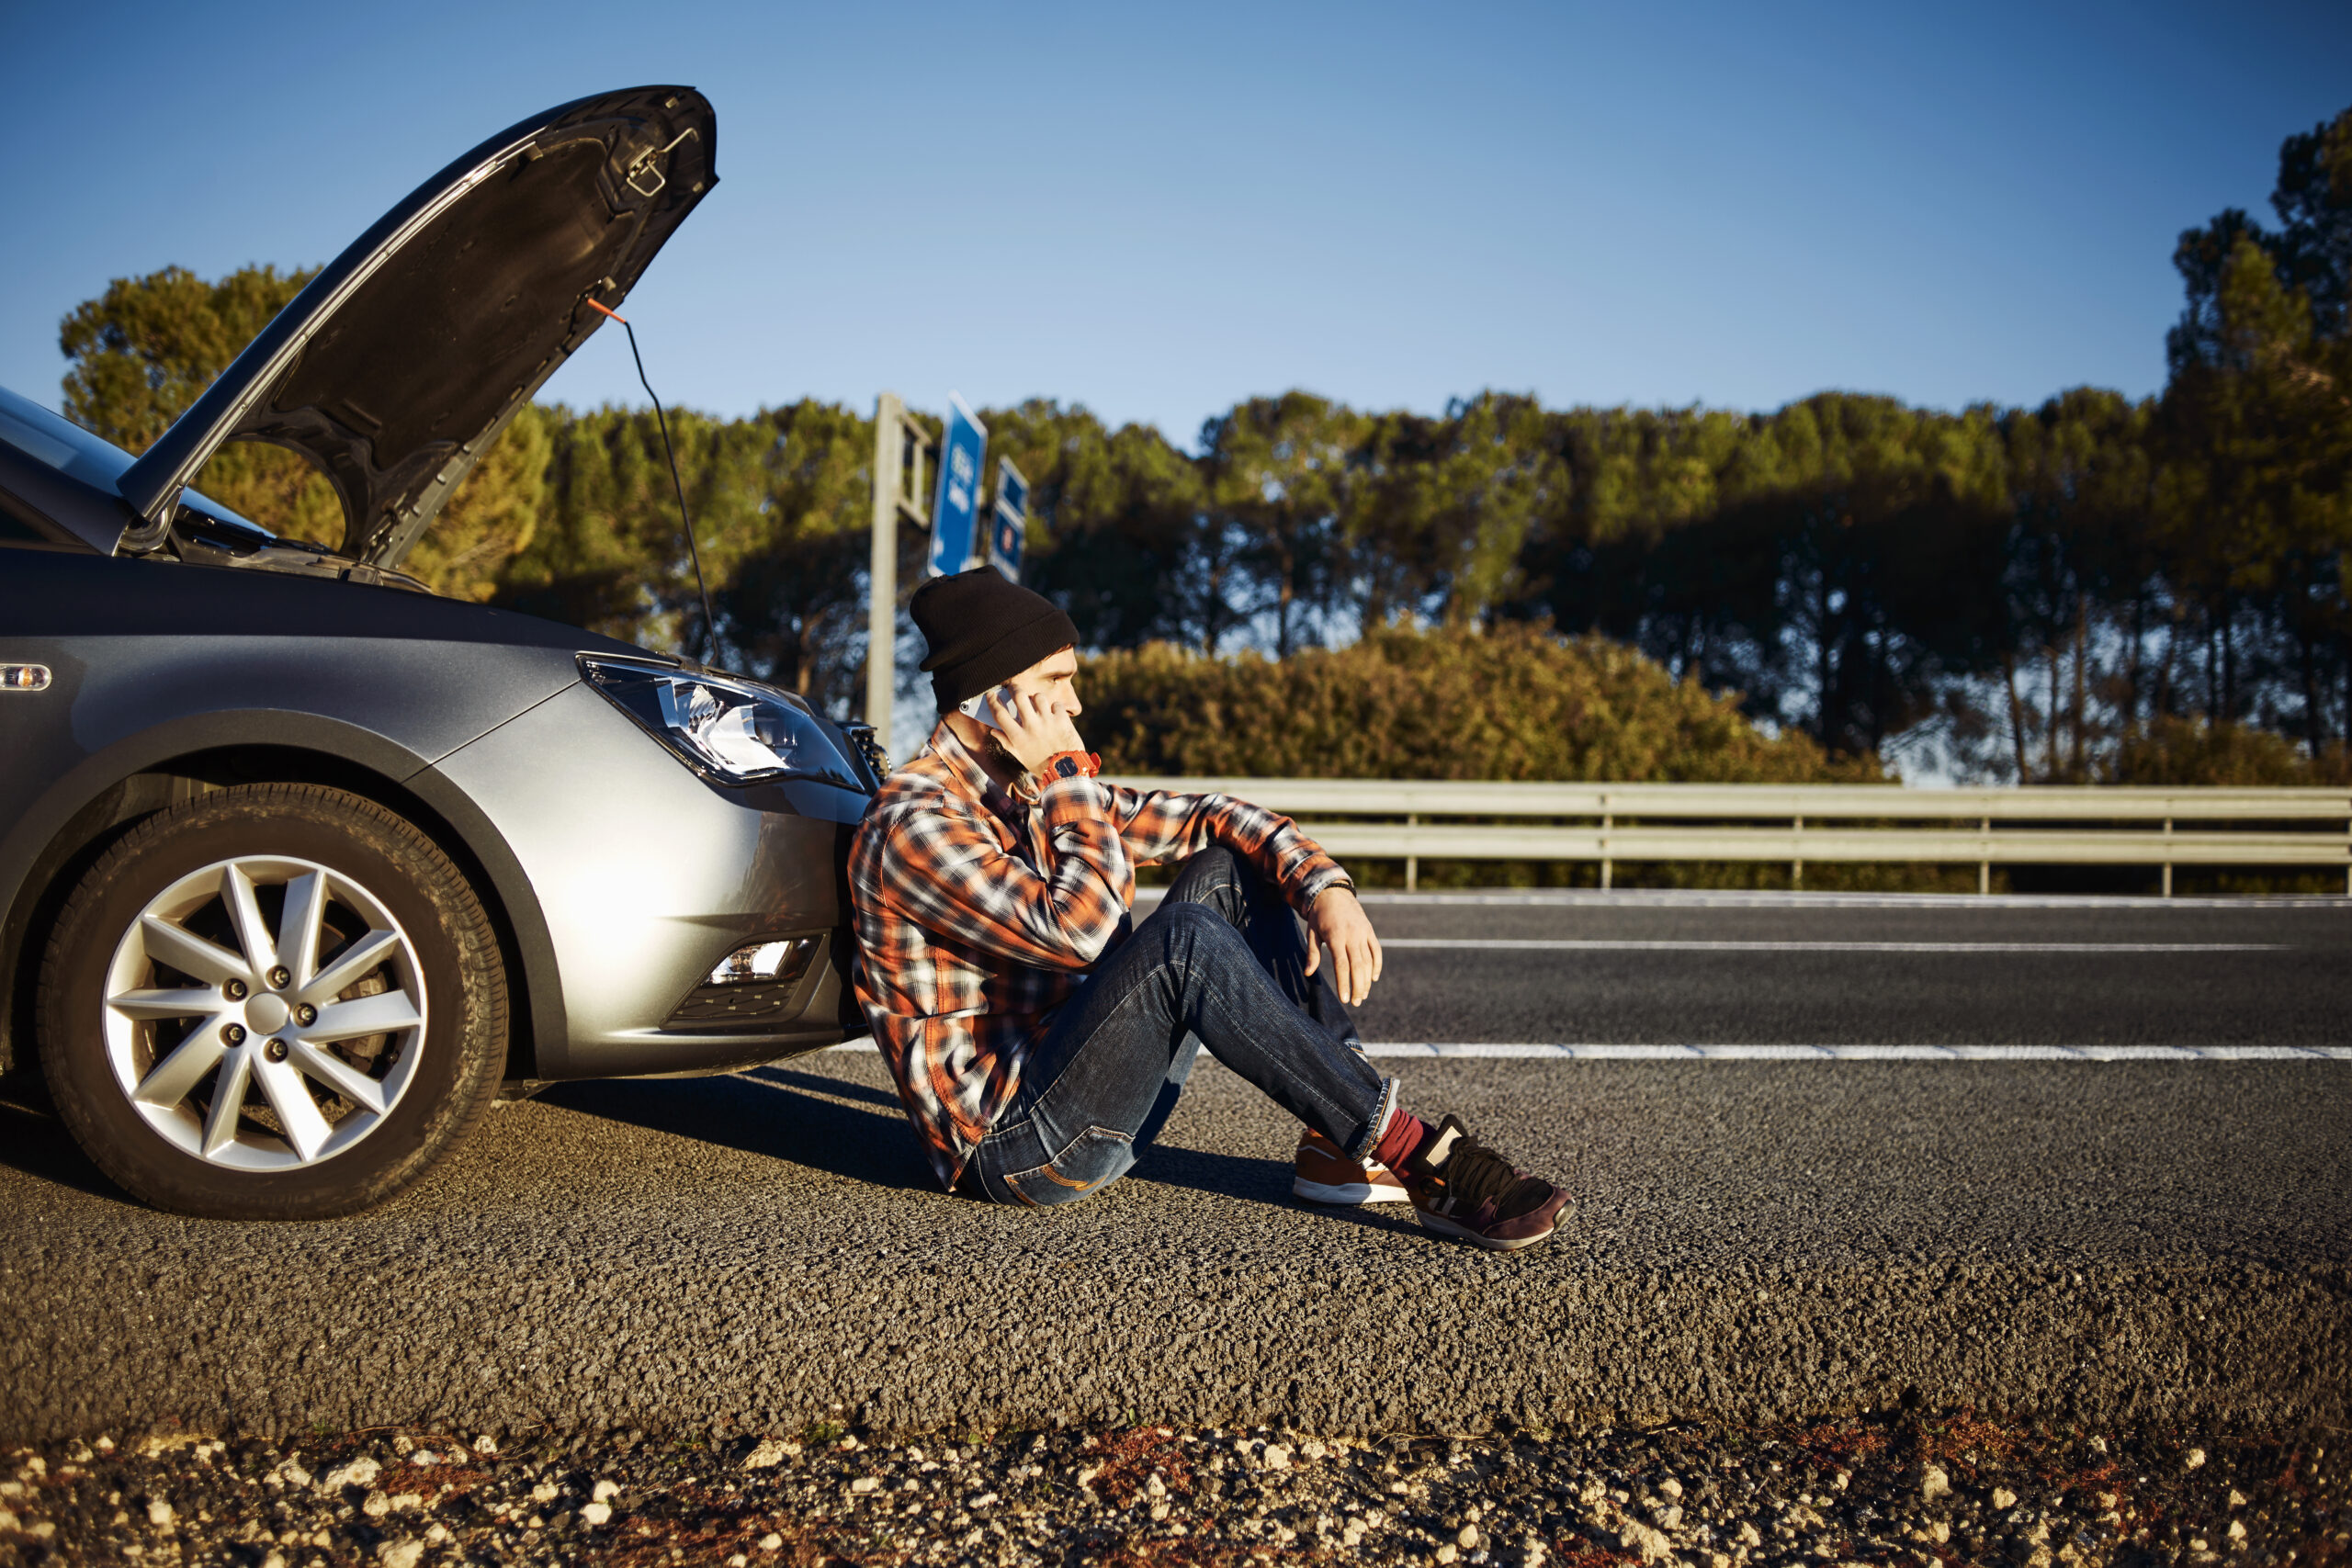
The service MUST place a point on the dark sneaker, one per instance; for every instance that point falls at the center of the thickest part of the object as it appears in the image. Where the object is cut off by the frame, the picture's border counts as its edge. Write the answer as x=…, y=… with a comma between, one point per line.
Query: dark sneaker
x=1322, y=1174
x=1461, y=1188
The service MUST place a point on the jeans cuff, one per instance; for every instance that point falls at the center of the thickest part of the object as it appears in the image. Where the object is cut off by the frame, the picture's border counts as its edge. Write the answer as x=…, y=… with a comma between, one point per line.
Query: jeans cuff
x=1361, y=1148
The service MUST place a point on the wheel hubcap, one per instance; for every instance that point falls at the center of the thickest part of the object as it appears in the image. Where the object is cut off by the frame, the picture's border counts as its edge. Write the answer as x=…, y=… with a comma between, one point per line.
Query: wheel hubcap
x=265, y=1013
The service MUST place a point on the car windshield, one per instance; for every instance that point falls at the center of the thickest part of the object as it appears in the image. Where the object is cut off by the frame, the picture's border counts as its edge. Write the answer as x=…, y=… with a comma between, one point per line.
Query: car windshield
x=45, y=437
x=60, y=443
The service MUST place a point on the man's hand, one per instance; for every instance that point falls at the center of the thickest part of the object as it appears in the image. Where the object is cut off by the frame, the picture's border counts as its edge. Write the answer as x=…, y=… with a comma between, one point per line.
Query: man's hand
x=1337, y=922
x=1033, y=730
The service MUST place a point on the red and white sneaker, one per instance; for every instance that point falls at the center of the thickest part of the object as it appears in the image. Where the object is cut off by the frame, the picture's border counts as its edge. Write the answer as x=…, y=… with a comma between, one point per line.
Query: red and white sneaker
x=1326, y=1176
x=1461, y=1188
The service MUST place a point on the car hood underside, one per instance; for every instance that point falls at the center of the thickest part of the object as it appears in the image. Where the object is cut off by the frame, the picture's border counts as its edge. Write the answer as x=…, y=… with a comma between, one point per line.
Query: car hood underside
x=403, y=360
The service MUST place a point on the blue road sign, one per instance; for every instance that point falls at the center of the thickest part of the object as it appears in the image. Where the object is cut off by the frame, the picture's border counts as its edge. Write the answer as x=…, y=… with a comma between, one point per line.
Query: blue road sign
x=953, y=512
x=1008, y=519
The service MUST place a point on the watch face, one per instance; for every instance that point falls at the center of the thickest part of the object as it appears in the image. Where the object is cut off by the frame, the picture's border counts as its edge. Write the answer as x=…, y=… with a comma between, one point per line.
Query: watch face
x=1066, y=768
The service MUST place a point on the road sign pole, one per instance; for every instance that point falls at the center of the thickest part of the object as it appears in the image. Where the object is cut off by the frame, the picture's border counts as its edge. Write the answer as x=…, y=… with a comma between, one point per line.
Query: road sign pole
x=901, y=445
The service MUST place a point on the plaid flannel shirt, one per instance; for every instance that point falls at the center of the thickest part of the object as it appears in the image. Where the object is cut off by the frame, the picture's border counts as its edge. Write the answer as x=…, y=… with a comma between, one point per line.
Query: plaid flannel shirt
x=980, y=913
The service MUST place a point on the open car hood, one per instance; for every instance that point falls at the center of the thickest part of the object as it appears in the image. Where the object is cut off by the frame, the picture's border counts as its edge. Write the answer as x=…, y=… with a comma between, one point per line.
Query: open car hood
x=402, y=362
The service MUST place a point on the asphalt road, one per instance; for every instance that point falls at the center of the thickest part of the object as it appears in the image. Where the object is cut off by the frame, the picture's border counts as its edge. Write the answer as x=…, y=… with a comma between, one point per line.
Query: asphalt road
x=2002, y=972
x=2140, y=1240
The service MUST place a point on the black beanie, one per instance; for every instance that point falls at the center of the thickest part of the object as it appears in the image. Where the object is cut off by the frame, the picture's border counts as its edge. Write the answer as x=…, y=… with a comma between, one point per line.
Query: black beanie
x=981, y=631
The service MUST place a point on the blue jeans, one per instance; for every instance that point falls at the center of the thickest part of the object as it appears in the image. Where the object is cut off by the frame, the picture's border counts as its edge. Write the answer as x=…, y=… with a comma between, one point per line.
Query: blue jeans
x=1222, y=963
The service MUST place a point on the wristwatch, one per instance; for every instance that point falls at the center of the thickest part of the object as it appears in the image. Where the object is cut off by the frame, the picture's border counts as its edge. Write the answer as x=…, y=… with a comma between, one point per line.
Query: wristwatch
x=1071, y=765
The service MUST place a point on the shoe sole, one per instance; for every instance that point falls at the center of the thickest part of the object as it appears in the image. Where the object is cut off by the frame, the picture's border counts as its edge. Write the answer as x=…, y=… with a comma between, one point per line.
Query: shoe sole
x=1444, y=1226
x=1349, y=1193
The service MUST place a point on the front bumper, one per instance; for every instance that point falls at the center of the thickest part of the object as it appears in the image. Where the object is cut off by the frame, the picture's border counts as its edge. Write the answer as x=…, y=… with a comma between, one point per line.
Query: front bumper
x=647, y=876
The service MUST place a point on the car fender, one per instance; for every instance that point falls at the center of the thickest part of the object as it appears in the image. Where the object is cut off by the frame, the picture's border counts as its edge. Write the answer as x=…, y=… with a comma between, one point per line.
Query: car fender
x=176, y=743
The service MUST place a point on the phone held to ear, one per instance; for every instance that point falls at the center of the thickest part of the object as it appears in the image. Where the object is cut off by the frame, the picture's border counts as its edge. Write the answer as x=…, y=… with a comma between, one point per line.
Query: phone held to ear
x=977, y=707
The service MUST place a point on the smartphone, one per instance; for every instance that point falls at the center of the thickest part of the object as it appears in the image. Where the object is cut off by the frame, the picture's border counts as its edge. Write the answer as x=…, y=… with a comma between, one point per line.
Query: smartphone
x=977, y=707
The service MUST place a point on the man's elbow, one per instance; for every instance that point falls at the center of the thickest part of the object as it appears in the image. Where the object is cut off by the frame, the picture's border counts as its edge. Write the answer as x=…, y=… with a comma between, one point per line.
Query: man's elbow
x=1086, y=945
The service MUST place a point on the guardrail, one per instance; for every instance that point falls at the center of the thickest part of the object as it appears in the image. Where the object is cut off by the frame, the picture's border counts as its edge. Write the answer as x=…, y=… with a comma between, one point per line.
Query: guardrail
x=2033, y=826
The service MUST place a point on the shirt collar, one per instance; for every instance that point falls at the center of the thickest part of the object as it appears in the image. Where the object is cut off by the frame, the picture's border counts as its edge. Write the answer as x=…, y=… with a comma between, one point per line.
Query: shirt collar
x=971, y=779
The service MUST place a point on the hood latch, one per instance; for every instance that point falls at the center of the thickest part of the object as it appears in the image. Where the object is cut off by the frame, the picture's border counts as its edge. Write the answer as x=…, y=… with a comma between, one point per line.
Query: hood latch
x=641, y=169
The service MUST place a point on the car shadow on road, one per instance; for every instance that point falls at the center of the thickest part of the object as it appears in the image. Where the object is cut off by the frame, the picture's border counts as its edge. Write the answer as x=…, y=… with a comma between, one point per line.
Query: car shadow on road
x=34, y=1141
x=807, y=1119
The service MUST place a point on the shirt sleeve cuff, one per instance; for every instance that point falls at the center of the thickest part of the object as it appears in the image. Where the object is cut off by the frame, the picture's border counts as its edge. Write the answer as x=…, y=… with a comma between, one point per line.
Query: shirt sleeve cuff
x=1323, y=878
x=1067, y=800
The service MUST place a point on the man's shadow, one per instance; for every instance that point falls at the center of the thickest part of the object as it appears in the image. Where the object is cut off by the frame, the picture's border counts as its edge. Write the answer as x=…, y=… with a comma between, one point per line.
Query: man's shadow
x=853, y=1129
x=1254, y=1180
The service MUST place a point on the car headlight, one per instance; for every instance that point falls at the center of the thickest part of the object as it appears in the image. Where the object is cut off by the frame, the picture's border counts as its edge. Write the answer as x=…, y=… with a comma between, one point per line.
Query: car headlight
x=733, y=730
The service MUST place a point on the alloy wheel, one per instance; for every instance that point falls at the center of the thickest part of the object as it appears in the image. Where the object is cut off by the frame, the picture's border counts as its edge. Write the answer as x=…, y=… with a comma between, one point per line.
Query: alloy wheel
x=265, y=1013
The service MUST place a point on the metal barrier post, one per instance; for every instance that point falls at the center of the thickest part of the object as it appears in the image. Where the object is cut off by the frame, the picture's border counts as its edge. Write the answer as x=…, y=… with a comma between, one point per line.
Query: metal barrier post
x=1605, y=865
x=1412, y=863
x=1796, y=866
x=1984, y=867
x=2167, y=864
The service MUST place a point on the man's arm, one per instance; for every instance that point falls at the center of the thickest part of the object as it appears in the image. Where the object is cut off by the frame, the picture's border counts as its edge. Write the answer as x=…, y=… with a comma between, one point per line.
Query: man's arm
x=1157, y=825
x=943, y=869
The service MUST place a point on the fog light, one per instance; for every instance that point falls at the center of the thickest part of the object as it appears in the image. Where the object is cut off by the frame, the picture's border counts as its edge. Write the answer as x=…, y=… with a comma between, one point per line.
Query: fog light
x=782, y=960
x=757, y=986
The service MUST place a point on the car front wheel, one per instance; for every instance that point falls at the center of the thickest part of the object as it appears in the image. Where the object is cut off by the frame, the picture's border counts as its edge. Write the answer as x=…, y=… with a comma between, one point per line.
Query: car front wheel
x=276, y=1001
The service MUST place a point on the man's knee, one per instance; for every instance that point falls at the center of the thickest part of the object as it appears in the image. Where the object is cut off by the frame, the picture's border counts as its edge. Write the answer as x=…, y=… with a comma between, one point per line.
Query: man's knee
x=1182, y=927
x=1219, y=859
x=1206, y=874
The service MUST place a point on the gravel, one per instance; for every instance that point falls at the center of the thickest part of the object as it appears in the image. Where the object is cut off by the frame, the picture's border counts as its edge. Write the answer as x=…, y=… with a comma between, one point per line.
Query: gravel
x=1941, y=1488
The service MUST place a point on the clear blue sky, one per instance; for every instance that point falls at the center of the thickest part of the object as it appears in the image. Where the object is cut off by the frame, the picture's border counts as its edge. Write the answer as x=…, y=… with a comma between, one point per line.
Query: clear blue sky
x=1158, y=211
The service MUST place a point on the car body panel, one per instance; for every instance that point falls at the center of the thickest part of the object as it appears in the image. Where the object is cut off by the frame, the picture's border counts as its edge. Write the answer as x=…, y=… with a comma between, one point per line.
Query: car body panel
x=404, y=359
x=683, y=873
x=153, y=662
x=622, y=875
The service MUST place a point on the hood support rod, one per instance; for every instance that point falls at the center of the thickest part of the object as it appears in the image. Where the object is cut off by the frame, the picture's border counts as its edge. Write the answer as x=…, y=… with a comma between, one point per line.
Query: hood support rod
x=709, y=621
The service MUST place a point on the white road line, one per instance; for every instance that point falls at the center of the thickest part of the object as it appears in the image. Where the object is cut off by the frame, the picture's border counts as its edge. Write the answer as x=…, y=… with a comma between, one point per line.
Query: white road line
x=1518, y=1051
x=1731, y=898
x=1628, y=944
x=1726, y=899
x=1872, y=1053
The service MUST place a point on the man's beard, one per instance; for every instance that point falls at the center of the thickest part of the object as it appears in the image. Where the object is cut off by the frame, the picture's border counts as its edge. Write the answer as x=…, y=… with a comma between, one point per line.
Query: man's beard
x=996, y=748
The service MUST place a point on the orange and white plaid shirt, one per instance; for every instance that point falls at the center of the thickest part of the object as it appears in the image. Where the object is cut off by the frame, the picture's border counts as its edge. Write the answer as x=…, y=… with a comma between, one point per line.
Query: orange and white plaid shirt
x=978, y=914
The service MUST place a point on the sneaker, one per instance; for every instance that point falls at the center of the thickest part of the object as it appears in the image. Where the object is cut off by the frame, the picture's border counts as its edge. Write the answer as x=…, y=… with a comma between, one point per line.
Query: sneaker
x=1326, y=1176
x=1461, y=1188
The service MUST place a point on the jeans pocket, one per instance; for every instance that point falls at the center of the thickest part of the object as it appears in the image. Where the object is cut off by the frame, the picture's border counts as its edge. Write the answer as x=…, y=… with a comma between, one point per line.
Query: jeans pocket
x=1089, y=1163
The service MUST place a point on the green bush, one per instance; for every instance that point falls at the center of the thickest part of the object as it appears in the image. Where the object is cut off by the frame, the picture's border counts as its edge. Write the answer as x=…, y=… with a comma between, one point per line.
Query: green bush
x=1518, y=703
x=2190, y=751
x=1515, y=703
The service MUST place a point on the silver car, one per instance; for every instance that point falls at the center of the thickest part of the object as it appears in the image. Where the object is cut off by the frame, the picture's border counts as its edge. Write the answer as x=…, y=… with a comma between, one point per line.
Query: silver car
x=301, y=863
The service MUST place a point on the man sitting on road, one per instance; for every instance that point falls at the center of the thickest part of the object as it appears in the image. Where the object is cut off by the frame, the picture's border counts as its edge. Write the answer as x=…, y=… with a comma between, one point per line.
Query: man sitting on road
x=1039, y=1036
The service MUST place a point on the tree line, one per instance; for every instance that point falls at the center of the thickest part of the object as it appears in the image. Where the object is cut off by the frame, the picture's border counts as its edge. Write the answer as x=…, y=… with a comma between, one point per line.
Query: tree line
x=2095, y=588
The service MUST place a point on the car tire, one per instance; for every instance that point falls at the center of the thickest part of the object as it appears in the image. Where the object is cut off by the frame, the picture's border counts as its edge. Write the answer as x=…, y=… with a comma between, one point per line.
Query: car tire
x=274, y=1003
